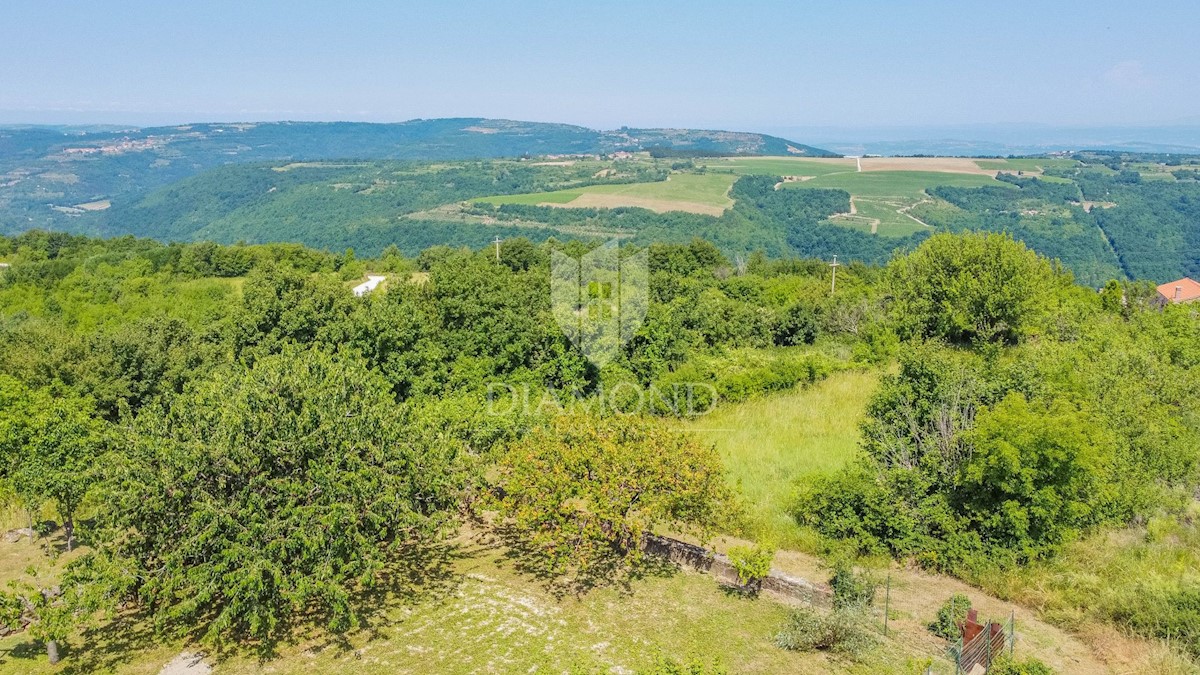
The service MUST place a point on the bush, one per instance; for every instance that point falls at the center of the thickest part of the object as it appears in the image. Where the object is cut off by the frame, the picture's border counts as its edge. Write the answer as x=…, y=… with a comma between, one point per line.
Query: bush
x=665, y=665
x=1004, y=665
x=753, y=563
x=798, y=325
x=575, y=497
x=845, y=631
x=851, y=589
x=952, y=613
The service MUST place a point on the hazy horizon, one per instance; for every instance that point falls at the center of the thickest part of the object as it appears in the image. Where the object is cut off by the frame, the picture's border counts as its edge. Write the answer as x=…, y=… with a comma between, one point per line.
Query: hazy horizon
x=762, y=66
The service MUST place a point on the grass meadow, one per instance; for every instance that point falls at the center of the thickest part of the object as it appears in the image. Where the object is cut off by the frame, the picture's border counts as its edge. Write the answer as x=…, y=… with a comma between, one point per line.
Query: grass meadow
x=779, y=166
x=698, y=193
x=897, y=184
x=769, y=443
x=881, y=216
x=482, y=617
x=1029, y=165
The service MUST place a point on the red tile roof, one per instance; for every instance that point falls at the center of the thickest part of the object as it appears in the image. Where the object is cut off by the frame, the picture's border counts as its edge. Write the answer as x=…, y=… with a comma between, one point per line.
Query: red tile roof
x=1184, y=290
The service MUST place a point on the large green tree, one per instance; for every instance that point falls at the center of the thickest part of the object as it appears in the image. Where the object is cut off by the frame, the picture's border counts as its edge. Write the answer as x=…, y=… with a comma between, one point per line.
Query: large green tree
x=971, y=288
x=51, y=444
x=272, y=494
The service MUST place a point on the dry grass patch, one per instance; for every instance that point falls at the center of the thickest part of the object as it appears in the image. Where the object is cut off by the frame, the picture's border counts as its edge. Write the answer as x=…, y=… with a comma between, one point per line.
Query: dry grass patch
x=98, y=205
x=935, y=164
x=595, y=200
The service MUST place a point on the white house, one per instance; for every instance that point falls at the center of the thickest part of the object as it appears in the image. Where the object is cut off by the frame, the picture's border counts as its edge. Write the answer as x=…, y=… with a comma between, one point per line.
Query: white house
x=368, y=285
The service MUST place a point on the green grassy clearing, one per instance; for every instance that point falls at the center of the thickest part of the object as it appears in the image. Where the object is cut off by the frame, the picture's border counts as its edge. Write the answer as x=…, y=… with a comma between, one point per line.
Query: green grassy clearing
x=878, y=195
x=882, y=216
x=1035, y=164
x=487, y=618
x=778, y=166
x=556, y=197
x=769, y=443
x=899, y=184
x=1055, y=179
x=711, y=189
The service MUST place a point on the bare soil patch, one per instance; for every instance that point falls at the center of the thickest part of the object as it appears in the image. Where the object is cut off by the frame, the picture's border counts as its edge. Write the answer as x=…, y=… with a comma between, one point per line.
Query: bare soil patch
x=98, y=205
x=603, y=201
x=936, y=164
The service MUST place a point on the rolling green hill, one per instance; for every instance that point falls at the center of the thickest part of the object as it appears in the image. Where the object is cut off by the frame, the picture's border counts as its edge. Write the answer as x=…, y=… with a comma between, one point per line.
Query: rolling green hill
x=1097, y=221
x=55, y=177
x=362, y=186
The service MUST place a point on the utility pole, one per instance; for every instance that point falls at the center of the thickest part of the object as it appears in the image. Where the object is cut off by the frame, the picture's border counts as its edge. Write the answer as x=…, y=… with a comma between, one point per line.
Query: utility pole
x=833, y=286
x=497, y=243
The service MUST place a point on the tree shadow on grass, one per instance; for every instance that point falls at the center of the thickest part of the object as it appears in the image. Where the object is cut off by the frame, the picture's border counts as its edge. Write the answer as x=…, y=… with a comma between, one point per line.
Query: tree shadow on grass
x=107, y=646
x=738, y=591
x=612, y=568
x=422, y=573
x=27, y=650
x=112, y=645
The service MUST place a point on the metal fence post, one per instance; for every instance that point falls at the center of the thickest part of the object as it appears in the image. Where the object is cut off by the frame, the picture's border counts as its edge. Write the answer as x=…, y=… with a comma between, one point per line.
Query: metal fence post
x=887, y=604
x=988, y=634
x=1012, y=631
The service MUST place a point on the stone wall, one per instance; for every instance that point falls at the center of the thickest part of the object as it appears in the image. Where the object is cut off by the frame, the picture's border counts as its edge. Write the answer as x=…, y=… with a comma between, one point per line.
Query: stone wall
x=788, y=588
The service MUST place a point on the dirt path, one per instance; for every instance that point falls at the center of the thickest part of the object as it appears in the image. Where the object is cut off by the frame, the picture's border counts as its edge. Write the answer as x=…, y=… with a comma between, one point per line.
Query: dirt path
x=904, y=211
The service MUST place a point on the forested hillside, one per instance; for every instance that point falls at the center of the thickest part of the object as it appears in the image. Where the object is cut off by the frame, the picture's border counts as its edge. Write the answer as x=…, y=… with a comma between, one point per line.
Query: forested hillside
x=1100, y=223
x=46, y=173
x=367, y=187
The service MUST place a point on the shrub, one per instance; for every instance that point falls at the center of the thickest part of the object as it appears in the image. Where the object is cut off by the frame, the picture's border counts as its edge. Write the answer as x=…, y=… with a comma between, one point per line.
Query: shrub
x=952, y=613
x=576, y=497
x=665, y=665
x=753, y=563
x=845, y=631
x=1004, y=665
x=851, y=589
x=799, y=324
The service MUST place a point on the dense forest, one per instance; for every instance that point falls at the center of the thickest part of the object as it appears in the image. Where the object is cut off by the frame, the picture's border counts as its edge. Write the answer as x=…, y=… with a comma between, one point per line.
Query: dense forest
x=241, y=446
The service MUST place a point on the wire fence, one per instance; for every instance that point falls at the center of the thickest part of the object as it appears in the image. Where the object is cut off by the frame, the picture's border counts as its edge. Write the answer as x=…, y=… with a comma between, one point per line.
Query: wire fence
x=991, y=641
x=976, y=650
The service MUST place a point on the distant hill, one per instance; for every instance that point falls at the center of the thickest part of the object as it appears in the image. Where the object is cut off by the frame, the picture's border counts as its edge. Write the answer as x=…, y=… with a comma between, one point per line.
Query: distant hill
x=57, y=177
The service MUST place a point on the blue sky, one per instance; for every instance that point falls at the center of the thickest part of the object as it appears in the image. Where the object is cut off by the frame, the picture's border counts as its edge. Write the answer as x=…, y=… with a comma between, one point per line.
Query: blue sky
x=753, y=65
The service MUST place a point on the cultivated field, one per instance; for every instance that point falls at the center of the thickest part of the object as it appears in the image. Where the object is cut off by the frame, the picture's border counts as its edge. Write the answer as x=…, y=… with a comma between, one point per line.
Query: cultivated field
x=695, y=193
x=1032, y=166
x=882, y=200
x=779, y=166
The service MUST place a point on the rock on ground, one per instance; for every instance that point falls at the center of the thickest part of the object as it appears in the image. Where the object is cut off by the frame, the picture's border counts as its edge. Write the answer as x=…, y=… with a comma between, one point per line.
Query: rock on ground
x=187, y=663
